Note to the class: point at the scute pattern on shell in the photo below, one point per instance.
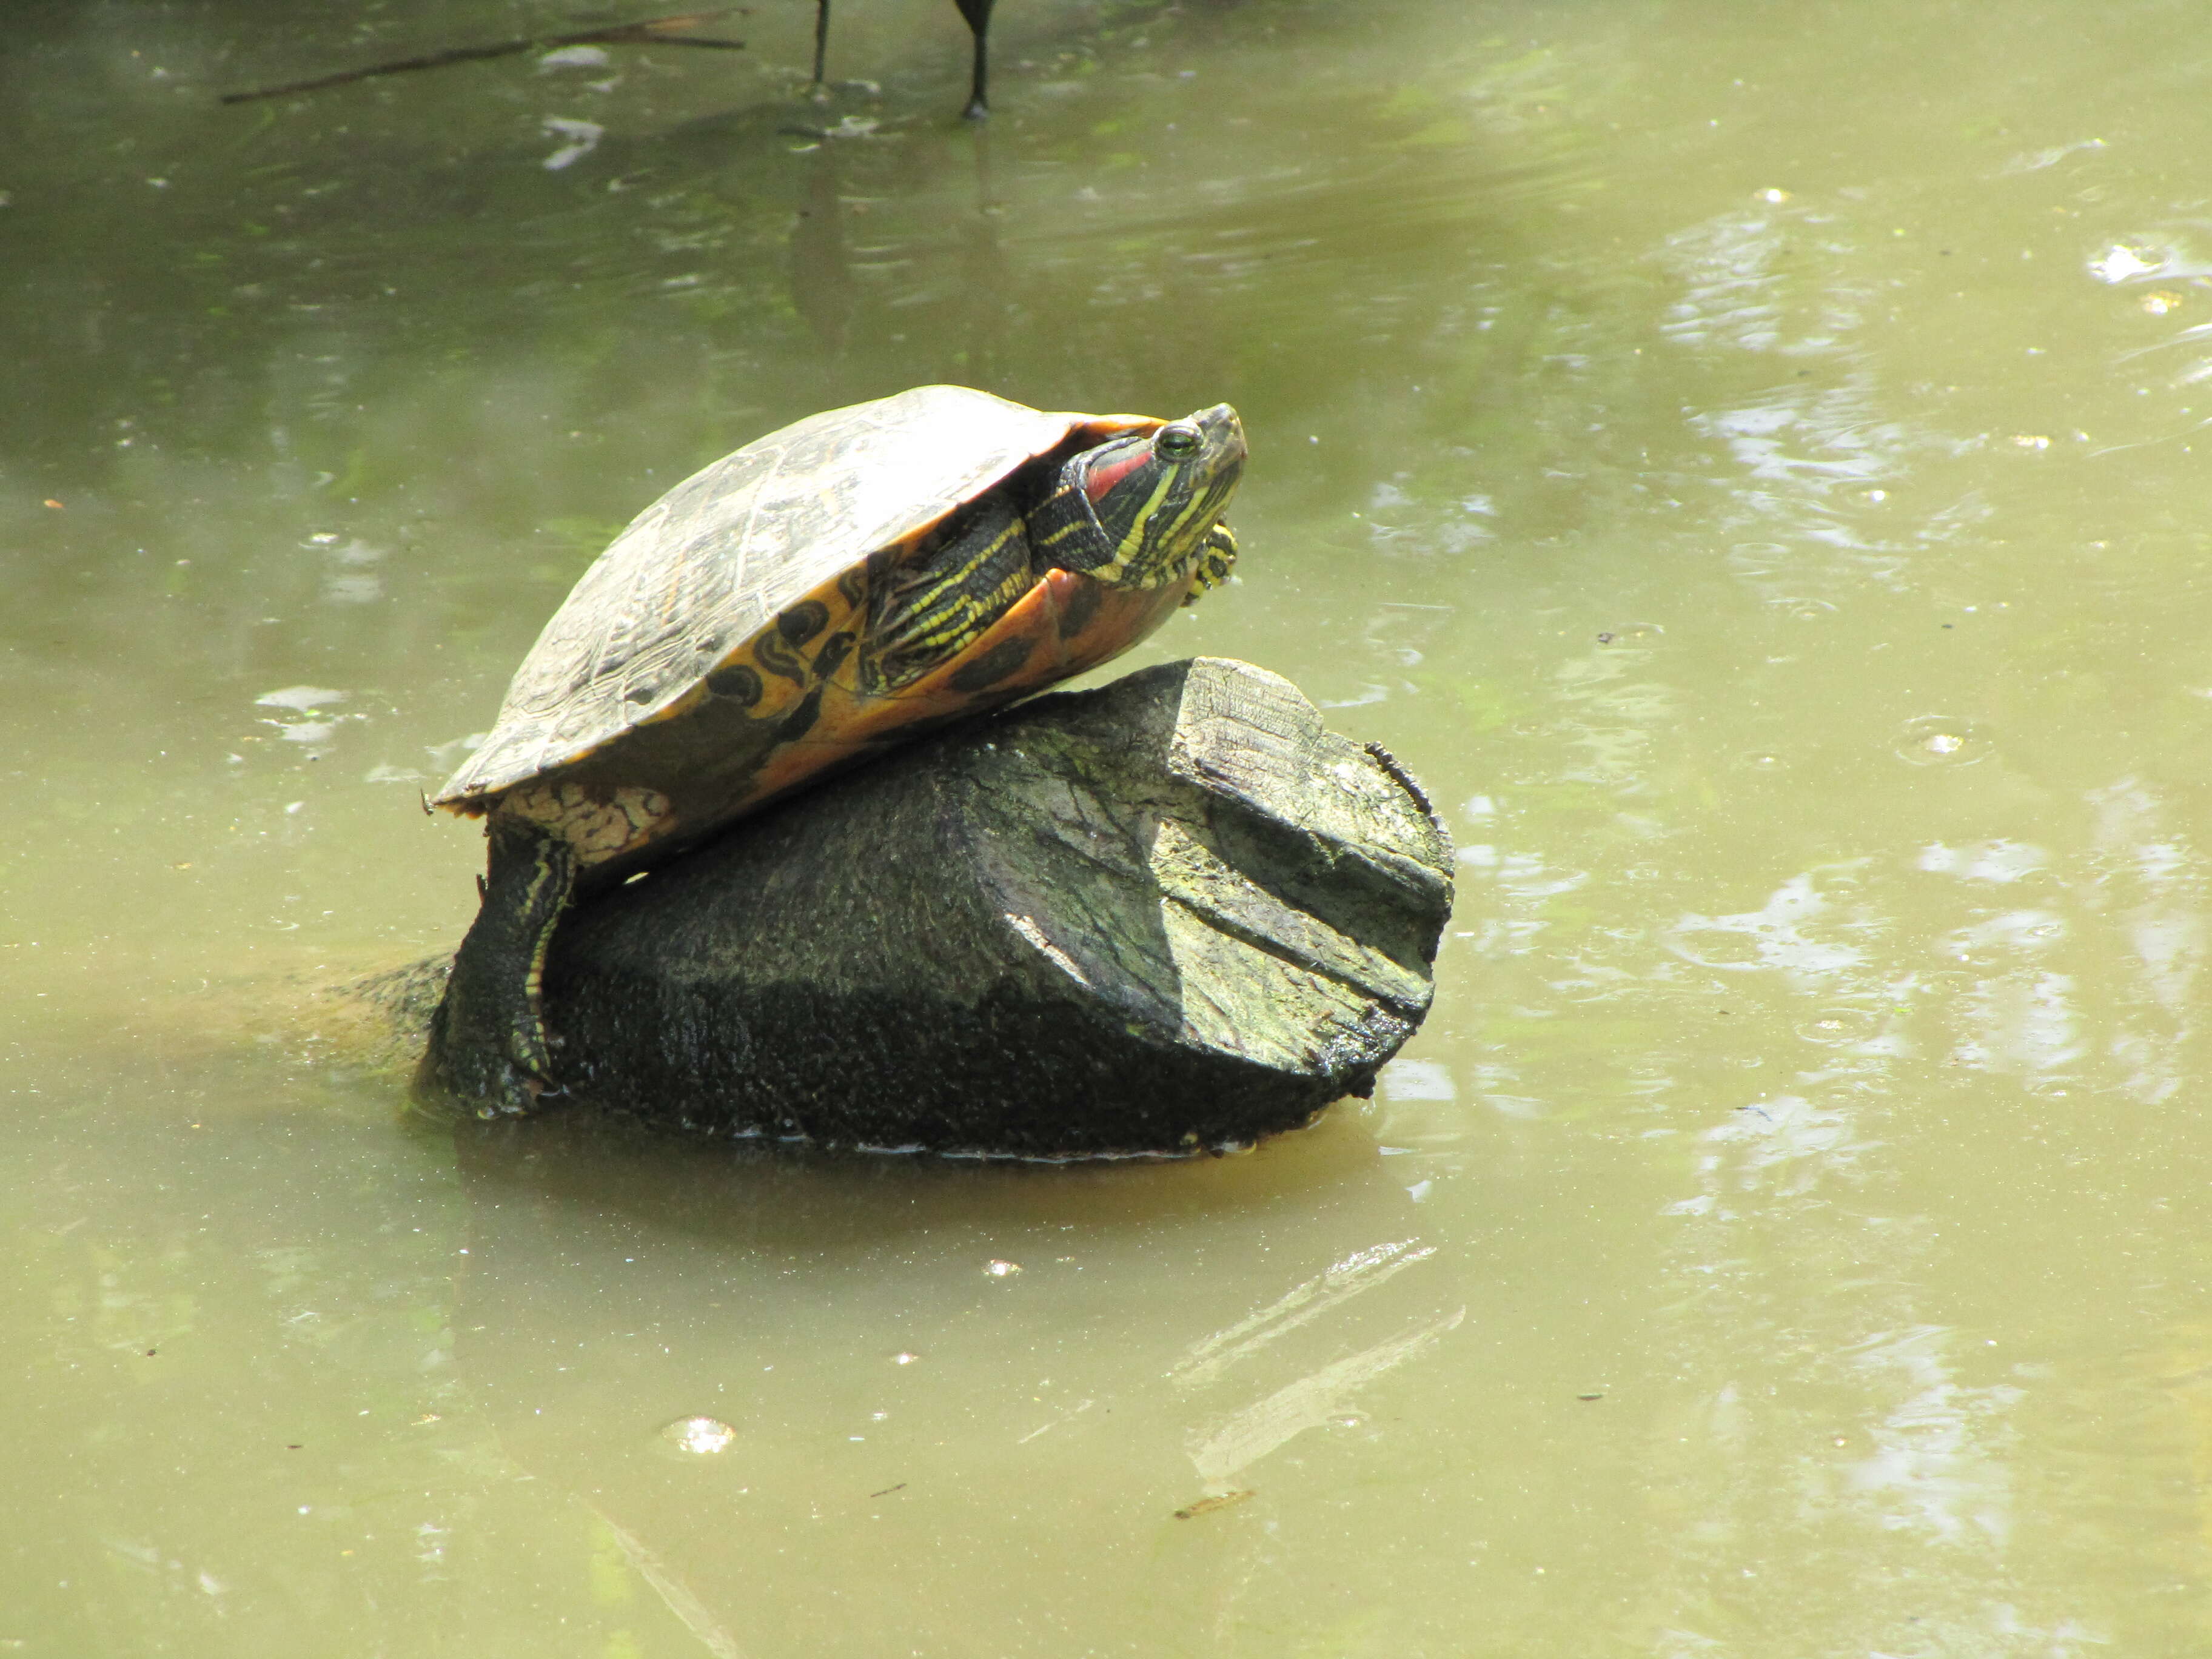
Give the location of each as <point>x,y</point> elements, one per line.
<point>709,564</point>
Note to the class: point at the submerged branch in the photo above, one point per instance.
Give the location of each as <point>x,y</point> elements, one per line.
<point>645,32</point>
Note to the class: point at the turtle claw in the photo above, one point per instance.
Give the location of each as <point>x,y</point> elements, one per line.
<point>504,1091</point>
<point>471,1068</point>
<point>526,1049</point>
<point>1217,558</point>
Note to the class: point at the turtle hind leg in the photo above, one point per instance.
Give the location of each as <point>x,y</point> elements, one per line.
<point>487,1043</point>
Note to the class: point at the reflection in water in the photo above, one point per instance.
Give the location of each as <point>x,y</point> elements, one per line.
<point>1783,934</point>
<point>1814,459</point>
<point>2002,859</point>
<point>1686,447</point>
<point>1927,1450</point>
<point>2152,880</point>
<point>1608,717</point>
<point>1936,1467</point>
<point>821,265</point>
<point>1251,1432</point>
<point>1361,1271</point>
<point>675,1595</point>
<point>610,1278</point>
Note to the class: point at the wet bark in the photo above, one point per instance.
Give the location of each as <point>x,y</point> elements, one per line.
<point>1173,913</point>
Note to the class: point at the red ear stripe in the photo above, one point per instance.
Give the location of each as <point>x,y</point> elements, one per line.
<point>1100,476</point>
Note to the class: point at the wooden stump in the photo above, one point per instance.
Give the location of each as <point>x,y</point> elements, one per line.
<point>1173,913</point>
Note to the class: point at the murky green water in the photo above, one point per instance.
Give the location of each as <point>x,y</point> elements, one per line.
<point>1743,458</point>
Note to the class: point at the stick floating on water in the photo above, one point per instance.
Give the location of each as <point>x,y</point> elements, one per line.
<point>651,31</point>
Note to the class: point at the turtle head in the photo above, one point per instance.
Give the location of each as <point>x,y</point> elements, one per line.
<point>1141,509</point>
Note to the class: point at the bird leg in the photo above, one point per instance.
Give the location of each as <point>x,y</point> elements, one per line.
<point>978,14</point>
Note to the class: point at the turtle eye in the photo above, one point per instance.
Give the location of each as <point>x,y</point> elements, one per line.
<point>1178,440</point>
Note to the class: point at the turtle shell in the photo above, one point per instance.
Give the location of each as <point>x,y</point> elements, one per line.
<point>708,659</point>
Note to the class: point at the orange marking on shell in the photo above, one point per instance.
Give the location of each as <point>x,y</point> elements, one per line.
<point>726,737</point>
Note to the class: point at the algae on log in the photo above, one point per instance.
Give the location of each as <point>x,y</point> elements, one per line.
<point>1175,912</point>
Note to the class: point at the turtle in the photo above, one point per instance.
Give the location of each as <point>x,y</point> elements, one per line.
<point>844,584</point>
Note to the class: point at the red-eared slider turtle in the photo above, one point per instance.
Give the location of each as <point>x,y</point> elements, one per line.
<point>829,589</point>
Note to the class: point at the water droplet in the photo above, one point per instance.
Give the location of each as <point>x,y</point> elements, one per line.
<point>1833,1027</point>
<point>701,1435</point>
<point>1941,741</point>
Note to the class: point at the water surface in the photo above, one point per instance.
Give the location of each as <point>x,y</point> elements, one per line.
<point>1742,460</point>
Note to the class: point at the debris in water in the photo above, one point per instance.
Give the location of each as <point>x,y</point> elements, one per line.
<point>1207,1505</point>
<point>651,31</point>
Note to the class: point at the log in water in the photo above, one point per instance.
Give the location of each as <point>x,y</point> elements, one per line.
<point>1174,913</point>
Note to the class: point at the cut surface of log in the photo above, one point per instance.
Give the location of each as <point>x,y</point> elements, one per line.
<point>1173,913</point>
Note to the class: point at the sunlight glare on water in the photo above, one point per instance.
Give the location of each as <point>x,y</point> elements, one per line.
<point>1741,460</point>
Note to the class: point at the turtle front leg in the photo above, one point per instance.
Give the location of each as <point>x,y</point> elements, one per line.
<point>1217,557</point>
<point>487,1043</point>
<point>932,610</point>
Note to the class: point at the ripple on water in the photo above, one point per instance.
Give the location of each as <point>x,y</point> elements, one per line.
<point>1834,1027</point>
<point>1942,740</point>
<point>1417,1079</point>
